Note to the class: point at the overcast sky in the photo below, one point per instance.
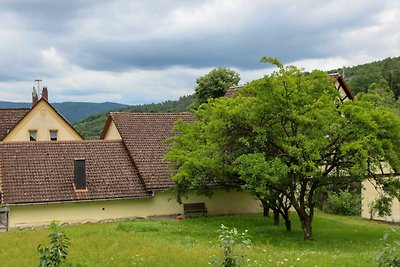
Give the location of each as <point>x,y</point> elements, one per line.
<point>136,52</point>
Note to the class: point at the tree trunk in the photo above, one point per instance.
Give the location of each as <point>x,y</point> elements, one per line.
<point>266,211</point>
<point>306,221</point>
<point>288,222</point>
<point>276,217</point>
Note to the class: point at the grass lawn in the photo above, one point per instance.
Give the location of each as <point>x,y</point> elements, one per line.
<point>339,241</point>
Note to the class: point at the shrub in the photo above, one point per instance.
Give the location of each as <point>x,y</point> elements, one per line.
<point>389,255</point>
<point>344,203</point>
<point>232,244</point>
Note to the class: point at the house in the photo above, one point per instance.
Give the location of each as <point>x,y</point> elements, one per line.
<point>39,123</point>
<point>46,177</point>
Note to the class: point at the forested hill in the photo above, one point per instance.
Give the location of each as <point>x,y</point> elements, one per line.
<point>385,72</point>
<point>92,126</point>
<point>72,111</point>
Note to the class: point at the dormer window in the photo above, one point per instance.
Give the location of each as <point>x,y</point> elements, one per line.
<point>32,135</point>
<point>80,175</point>
<point>53,135</point>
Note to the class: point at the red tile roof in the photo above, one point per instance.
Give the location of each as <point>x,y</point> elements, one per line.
<point>9,118</point>
<point>35,172</point>
<point>343,85</point>
<point>144,135</point>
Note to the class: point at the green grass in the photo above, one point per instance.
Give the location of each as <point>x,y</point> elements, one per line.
<point>339,241</point>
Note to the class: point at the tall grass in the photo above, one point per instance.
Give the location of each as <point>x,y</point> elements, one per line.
<point>339,241</point>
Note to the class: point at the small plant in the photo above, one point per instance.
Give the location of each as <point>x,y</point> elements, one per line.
<point>389,255</point>
<point>233,245</point>
<point>56,255</point>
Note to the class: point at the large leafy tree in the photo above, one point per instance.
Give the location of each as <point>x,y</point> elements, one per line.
<point>286,134</point>
<point>214,84</point>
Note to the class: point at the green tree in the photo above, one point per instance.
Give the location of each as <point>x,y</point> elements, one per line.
<point>287,132</point>
<point>214,84</point>
<point>380,94</point>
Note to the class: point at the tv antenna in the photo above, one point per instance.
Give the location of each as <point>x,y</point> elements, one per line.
<point>39,84</point>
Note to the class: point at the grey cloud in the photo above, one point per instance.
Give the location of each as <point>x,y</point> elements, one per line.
<point>287,34</point>
<point>48,15</point>
<point>122,36</point>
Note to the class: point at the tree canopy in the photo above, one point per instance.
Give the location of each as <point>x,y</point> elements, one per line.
<point>214,84</point>
<point>286,134</point>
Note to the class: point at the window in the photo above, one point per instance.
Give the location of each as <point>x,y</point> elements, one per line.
<point>32,135</point>
<point>53,135</point>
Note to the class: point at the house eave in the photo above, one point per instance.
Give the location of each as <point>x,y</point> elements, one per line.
<point>75,201</point>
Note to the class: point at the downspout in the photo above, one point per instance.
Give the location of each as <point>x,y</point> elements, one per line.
<point>5,210</point>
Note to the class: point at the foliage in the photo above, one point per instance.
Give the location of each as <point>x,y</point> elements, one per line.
<point>345,203</point>
<point>214,84</point>
<point>380,94</point>
<point>56,255</point>
<point>342,241</point>
<point>91,127</point>
<point>287,132</point>
<point>389,255</point>
<point>232,244</point>
<point>381,206</point>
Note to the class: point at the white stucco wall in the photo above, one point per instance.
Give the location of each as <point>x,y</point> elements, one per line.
<point>369,194</point>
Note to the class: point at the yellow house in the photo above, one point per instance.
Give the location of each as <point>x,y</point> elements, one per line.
<point>73,180</point>
<point>40,123</point>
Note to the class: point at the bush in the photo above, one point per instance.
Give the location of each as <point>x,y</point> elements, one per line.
<point>343,203</point>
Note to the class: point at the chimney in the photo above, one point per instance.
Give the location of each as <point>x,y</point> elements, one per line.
<point>80,174</point>
<point>45,93</point>
<point>35,97</point>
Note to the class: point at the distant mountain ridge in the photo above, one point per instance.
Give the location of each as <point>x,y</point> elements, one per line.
<point>72,111</point>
